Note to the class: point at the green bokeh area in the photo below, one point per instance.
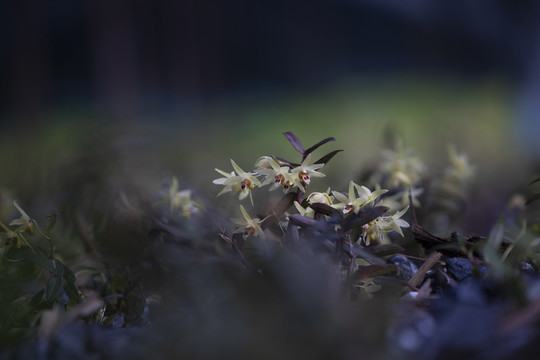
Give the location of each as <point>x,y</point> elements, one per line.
<point>425,115</point>
<point>364,117</point>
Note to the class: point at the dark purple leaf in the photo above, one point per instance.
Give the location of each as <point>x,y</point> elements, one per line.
<point>292,238</point>
<point>384,250</point>
<point>532,198</point>
<point>370,271</point>
<point>316,146</point>
<point>370,258</point>
<point>534,181</point>
<point>295,142</point>
<point>283,162</point>
<point>363,217</point>
<point>326,210</point>
<point>326,158</point>
<point>284,204</point>
<point>318,216</point>
<point>238,241</point>
<point>303,221</point>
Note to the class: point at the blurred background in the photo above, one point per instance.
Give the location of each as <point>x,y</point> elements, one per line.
<point>127,89</point>
<point>103,102</point>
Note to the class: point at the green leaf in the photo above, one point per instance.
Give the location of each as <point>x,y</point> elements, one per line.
<point>72,292</point>
<point>496,235</point>
<point>42,261</point>
<point>36,299</point>
<point>494,259</point>
<point>59,269</point>
<point>55,282</point>
<point>295,142</point>
<point>68,273</point>
<point>52,288</point>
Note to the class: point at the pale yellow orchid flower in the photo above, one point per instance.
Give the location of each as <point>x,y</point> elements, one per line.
<point>242,183</point>
<point>353,203</point>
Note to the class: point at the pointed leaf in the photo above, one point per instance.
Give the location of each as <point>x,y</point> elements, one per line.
<point>370,258</point>
<point>534,181</point>
<point>59,269</point>
<point>53,288</point>
<point>363,217</point>
<point>496,235</point>
<point>284,162</point>
<point>316,146</point>
<point>493,257</point>
<point>326,210</point>
<point>68,274</point>
<point>326,158</point>
<point>284,204</point>
<point>384,250</point>
<point>72,292</point>
<point>36,299</point>
<point>532,198</point>
<point>292,237</point>
<point>370,271</point>
<point>303,221</point>
<point>295,142</point>
<point>42,261</point>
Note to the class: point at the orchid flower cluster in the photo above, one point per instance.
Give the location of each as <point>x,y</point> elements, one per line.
<point>403,171</point>
<point>60,284</point>
<point>279,173</point>
<point>15,237</point>
<point>181,200</point>
<point>344,211</point>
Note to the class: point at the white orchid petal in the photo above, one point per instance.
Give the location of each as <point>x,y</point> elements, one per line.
<point>237,168</point>
<point>245,214</point>
<point>351,191</point>
<point>340,197</point>
<point>227,175</point>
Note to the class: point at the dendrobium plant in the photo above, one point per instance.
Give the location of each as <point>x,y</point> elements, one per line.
<point>302,174</point>
<point>181,199</point>
<point>25,223</point>
<point>375,230</point>
<point>248,226</point>
<point>353,203</point>
<point>242,183</point>
<point>460,167</point>
<point>351,220</point>
<point>16,237</point>
<point>276,175</point>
